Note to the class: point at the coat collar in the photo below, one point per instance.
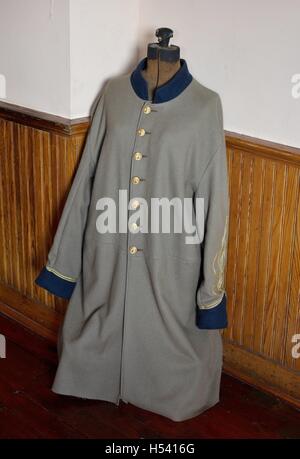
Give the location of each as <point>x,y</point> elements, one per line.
<point>165,92</point>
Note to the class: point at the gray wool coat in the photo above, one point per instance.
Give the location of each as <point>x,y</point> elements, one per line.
<point>145,308</point>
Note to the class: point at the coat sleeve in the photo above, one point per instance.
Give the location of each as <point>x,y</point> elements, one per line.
<point>64,261</point>
<point>213,187</point>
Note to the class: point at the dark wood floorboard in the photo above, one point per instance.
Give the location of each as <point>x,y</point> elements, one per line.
<point>29,409</point>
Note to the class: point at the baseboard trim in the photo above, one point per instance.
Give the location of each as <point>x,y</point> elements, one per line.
<point>258,371</point>
<point>33,315</point>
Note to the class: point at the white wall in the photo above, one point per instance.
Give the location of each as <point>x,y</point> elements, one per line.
<point>103,43</point>
<point>56,54</point>
<point>34,54</point>
<point>247,51</point>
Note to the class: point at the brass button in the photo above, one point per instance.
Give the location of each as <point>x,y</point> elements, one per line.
<point>141,132</point>
<point>135,204</point>
<point>135,180</point>
<point>137,156</point>
<point>133,249</point>
<point>134,226</point>
<point>147,109</point>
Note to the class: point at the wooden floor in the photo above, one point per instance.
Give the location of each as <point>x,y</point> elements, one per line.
<point>28,408</point>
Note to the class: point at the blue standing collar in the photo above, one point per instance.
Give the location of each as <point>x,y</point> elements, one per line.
<point>165,92</point>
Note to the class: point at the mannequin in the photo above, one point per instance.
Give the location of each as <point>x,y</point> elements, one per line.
<point>163,61</point>
<point>142,325</point>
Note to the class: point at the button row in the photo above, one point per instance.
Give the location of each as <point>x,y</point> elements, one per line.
<point>136,180</point>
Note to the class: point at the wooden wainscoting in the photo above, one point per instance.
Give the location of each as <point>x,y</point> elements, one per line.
<point>39,154</point>
<point>263,269</point>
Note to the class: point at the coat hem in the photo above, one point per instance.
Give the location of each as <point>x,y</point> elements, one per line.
<point>175,418</point>
<point>137,405</point>
<point>86,396</point>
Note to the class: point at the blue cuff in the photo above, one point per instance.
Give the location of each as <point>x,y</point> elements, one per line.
<point>54,284</point>
<point>213,318</point>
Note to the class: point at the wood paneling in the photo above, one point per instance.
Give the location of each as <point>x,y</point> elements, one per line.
<point>38,159</point>
<point>37,167</point>
<point>263,275</point>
